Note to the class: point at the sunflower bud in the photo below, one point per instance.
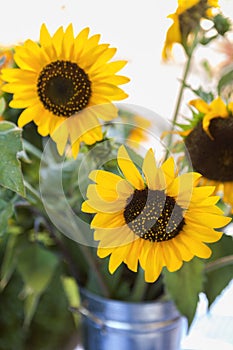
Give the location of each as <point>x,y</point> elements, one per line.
<point>221,24</point>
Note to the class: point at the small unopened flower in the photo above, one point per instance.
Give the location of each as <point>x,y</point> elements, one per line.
<point>154,218</point>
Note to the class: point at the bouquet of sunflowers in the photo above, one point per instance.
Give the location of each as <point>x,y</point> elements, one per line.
<point>81,206</point>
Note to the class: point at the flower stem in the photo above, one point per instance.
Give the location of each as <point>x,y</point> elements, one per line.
<point>139,288</point>
<point>178,103</point>
<point>217,264</point>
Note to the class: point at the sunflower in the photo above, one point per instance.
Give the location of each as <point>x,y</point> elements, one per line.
<point>139,133</point>
<point>209,145</point>
<point>6,60</point>
<point>155,218</point>
<point>65,84</point>
<point>186,20</point>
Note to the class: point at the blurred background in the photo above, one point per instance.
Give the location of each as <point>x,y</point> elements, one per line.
<point>138,30</point>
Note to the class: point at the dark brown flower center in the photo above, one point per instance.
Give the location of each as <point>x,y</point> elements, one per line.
<point>190,19</point>
<point>153,216</point>
<point>212,158</point>
<point>63,88</point>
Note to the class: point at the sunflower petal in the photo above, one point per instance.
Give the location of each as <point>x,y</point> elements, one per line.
<point>129,170</point>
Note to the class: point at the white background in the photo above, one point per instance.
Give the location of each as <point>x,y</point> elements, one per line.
<point>137,28</point>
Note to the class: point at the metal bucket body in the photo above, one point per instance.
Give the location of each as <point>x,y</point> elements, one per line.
<point>118,325</point>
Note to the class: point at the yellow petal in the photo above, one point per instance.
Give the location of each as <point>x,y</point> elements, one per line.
<point>132,258</point>
<point>173,36</point>
<point>172,257</point>
<point>28,114</point>
<point>103,252</point>
<point>86,208</point>
<point>45,37</point>
<point>200,105</point>
<point>57,41</point>
<point>75,148</point>
<point>183,249</point>
<point>197,248</point>
<point>168,168</point>
<point>184,5</point>
<point>228,192</point>
<point>101,220</point>
<point>150,170</point>
<point>118,256</point>
<point>68,43</point>
<point>154,263</point>
<point>129,170</point>
<point>207,219</point>
<point>204,234</point>
<point>106,178</point>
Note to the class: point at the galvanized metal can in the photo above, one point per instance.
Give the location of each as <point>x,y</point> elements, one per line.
<point>118,325</point>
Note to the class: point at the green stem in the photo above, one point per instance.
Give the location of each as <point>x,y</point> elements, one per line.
<point>93,266</point>
<point>139,288</point>
<point>217,264</point>
<point>178,103</point>
<point>35,199</point>
<point>32,149</point>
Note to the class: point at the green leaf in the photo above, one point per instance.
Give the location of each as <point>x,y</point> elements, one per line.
<point>184,287</point>
<point>217,279</point>
<point>36,266</point>
<point>9,261</point>
<point>6,211</point>
<point>10,167</point>
<point>226,79</point>
<point>2,105</point>
<point>204,95</point>
<point>72,293</point>
<point>30,305</point>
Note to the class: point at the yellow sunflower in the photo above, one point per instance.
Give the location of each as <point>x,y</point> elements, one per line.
<point>65,84</point>
<point>155,218</point>
<point>139,132</point>
<point>186,20</point>
<point>209,145</point>
<point>6,60</point>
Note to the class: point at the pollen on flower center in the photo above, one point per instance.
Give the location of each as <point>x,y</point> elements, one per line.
<point>63,88</point>
<point>153,216</point>
<point>213,158</point>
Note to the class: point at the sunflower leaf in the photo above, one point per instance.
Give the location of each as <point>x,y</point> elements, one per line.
<point>10,168</point>
<point>225,80</point>
<point>184,287</point>
<point>219,277</point>
<point>6,208</point>
<point>9,261</point>
<point>204,95</point>
<point>36,275</point>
